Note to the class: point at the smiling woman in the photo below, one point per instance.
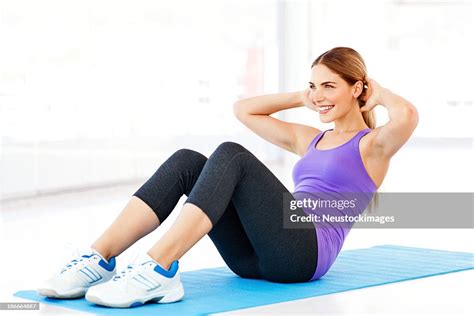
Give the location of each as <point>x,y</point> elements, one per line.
<point>353,157</point>
<point>323,109</point>
<point>340,69</point>
<point>358,163</point>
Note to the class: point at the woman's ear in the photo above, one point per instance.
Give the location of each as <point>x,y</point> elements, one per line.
<point>358,88</point>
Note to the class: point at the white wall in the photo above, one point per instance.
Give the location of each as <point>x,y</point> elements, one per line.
<point>100,92</point>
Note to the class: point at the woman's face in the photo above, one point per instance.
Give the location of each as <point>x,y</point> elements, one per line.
<point>328,89</point>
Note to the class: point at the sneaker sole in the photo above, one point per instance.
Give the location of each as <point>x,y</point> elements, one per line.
<point>170,297</point>
<point>70,295</point>
<point>77,293</point>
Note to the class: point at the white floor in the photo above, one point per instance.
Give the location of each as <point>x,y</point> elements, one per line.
<point>34,232</point>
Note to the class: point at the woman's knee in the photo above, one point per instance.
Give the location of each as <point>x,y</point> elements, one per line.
<point>185,154</point>
<point>229,149</point>
<point>185,160</point>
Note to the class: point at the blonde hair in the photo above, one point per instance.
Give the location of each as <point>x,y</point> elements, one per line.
<point>350,66</point>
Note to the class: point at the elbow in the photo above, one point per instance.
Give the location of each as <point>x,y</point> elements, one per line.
<point>237,108</point>
<point>411,115</point>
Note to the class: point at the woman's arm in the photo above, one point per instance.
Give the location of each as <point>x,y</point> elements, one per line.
<point>268,104</point>
<point>255,113</point>
<point>389,138</point>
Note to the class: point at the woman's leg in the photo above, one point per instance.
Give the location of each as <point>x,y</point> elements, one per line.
<point>158,196</point>
<point>151,204</point>
<point>228,235</point>
<point>136,220</point>
<point>234,179</point>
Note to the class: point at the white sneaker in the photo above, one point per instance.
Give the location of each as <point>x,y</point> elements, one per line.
<point>139,283</point>
<point>78,276</point>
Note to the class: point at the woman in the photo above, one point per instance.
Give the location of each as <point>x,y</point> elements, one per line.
<point>237,201</point>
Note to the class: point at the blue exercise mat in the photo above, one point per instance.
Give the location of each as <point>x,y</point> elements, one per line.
<point>219,290</point>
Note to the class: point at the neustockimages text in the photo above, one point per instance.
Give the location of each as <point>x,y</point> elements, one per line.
<point>342,219</point>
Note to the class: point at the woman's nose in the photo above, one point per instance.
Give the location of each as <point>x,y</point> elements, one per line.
<point>316,96</point>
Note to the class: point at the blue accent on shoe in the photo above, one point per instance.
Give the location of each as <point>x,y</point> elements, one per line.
<point>136,304</point>
<point>168,273</point>
<point>95,281</point>
<point>89,272</point>
<point>142,282</point>
<point>110,266</point>
<point>92,280</point>
<point>72,261</point>
<point>92,272</point>
<point>145,281</point>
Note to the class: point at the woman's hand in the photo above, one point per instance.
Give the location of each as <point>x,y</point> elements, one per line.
<point>373,95</point>
<point>304,95</point>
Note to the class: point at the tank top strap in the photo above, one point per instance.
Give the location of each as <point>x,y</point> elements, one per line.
<point>359,135</point>
<point>315,139</point>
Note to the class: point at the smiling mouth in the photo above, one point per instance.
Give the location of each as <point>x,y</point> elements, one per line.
<point>325,109</point>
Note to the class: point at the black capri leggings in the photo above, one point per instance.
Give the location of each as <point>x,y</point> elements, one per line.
<point>243,200</point>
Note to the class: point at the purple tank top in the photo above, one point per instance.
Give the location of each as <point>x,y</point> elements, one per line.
<point>339,173</point>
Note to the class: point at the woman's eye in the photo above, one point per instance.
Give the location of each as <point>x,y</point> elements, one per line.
<point>327,86</point>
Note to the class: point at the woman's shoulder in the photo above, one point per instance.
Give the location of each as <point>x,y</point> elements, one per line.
<point>375,164</point>
<point>366,142</point>
<point>305,135</point>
